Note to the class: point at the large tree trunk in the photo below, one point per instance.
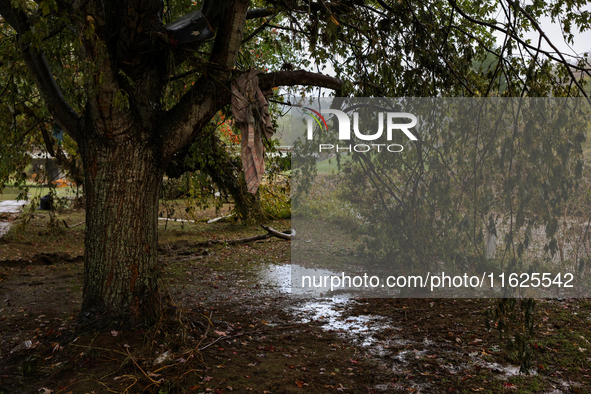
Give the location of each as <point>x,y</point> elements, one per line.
<point>125,136</point>
<point>123,178</point>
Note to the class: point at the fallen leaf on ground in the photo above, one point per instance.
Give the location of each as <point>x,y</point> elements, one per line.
<point>300,383</point>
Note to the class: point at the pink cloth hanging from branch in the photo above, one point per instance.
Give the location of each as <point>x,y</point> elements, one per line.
<point>251,114</point>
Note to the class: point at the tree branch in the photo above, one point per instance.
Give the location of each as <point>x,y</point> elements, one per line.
<point>183,123</point>
<point>10,16</point>
<point>57,105</point>
<point>64,25</point>
<point>211,92</point>
<point>560,59</point>
<point>287,235</point>
<point>259,29</point>
<point>260,13</point>
<point>229,36</point>
<point>549,42</point>
<point>37,64</point>
<point>439,51</point>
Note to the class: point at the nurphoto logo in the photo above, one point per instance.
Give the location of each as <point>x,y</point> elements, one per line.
<point>393,123</point>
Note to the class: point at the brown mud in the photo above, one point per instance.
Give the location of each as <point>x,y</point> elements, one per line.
<point>248,335</point>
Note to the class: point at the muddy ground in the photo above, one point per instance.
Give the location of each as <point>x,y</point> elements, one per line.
<point>245,333</point>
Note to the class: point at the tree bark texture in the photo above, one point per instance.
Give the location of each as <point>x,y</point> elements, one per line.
<point>123,179</point>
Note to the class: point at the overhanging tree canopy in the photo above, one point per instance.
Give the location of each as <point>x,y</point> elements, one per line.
<point>132,84</point>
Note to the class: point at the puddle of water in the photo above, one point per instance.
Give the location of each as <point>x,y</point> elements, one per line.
<point>320,283</point>
<point>507,370</point>
<point>278,276</point>
<point>329,312</point>
<point>362,329</point>
<point>9,206</point>
<point>399,388</point>
<point>405,355</point>
<point>399,343</point>
<point>281,277</point>
<point>298,272</point>
<point>288,279</point>
<point>12,206</point>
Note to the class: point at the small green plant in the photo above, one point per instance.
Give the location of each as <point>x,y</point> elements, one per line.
<point>514,320</point>
<point>276,200</point>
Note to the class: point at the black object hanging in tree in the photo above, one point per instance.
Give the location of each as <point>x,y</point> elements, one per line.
<point>192,27</point>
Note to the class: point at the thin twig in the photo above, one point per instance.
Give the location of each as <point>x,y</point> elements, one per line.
<point>140,368</point>
<point>250,333</point>
<point>206,330</point>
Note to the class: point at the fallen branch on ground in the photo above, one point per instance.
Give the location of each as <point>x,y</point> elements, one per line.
<point>287,235</point>
<point>177,220</point>
<point>74,225</point>
<point>220,218</point>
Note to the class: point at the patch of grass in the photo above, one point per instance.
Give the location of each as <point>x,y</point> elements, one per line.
<point>330,166</point>
<point>524,384</point>
<point>36,237</point>
<point>276,199</point>
<point>11,193</point>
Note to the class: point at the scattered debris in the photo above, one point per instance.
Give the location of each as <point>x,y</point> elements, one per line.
<point>22,346</point>
<point>162,358</point>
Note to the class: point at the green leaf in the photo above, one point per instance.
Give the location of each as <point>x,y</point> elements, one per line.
<point>45,8</point>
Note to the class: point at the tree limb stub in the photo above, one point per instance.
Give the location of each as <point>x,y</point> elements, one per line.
<point>260,13</point>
